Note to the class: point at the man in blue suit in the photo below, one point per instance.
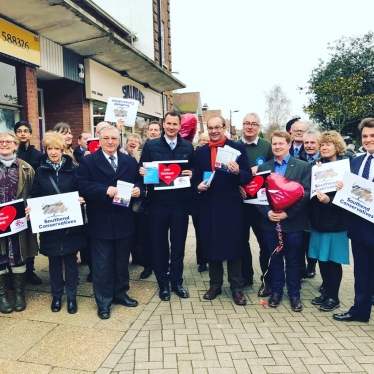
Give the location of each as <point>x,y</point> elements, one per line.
<point>111,227</point>
<point>361,233</point>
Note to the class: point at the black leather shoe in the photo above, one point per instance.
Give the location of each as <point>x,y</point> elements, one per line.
<point>181,292</point>
<point>146,273</point>
<point>296,305</point>
<point>212,293</point>
<point>164,294</point>
<point>56,304</point>
<point>347,317</point>
<point>72,306</point>
<point>239,298</point>
<point>264,291</point>
<point>329,305</point>
<point>319,300</point>
<point>311,271</point>
<point>125,301</point>
<point>103,312</point>
<point>274,300</point>
<point>32,278</point>
<point>201,268</point>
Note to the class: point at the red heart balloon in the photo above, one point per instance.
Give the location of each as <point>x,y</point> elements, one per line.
<point>168,173</point>
<point>7,215</point>
<point>281,192</point>
<point>254,186</point>
<point>93,146</point>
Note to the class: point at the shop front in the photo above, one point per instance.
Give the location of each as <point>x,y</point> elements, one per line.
<point>102,82</point>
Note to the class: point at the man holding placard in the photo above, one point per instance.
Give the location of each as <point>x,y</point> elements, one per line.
<point>110,226</point>
<point>361,233</point>
<point>169,205</point>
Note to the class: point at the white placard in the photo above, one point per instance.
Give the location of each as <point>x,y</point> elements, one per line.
<point>55,212</point>
<point>12,217</point>
<point>123,196</point>
<point>124,109</point>
<point>325,177</point>
<point>356,196</point>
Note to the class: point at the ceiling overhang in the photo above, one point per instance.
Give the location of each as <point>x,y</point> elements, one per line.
<point>83,27</point>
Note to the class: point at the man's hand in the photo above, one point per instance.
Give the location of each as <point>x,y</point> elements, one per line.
<point>27,211</point>
<point>119,124</point>
<point>86,153</point>
<point>187,172</point>
<point>123,150</point>
<point>276,217</point>
<point>112,191</point>
<point>254,170</point>
<point>233,167</point>
<point>135,192</point>
<point>142,171</point>
<point>322,197</point>
<point>339,185</point>
<point>242,192</point>
<point>202,186</point>
<point>81,200</point>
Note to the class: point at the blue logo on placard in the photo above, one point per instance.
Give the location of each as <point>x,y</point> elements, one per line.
<point>260,160</point>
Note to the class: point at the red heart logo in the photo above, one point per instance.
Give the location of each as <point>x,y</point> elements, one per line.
<point>93,146</point>
<point>254,186</point>
<point>281,192</point>
<point>7,215</point>
<point>168,173</point>
<point>116,198</point>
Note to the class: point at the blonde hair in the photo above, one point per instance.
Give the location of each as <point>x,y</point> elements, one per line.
<point>9,133</point>
<point>53,139</point>
<point>335,138</point>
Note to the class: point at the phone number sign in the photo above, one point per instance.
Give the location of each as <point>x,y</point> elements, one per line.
<point>19,43</point>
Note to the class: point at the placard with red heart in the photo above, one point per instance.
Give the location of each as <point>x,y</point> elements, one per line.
<point>93,145</point>
<point>281,192</point>
<point>254,186</point>
<point>7,215</point>
<point>168,173</point>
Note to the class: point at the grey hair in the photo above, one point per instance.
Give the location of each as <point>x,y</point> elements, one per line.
<point>254,115</point>
<point>106,128</point>
<point>133,135</point>
<point>315,133</point>
<point>299,123</point>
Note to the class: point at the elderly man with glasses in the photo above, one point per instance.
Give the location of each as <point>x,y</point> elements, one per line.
<point>298,129</point>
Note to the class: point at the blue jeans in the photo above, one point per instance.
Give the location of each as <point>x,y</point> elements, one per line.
<point>290,253</point>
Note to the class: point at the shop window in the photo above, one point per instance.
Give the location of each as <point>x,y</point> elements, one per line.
<point>8,118</point>
<point>8,86</point>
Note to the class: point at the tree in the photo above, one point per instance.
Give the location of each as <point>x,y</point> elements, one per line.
<point>342,88</point>
<point>278,108</point>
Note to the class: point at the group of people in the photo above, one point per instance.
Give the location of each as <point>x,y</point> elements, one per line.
<point>153,229</point>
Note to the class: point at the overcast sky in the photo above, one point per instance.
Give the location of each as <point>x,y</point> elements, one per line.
<point>232,52</point>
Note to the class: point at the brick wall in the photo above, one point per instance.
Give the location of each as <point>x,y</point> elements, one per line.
<point>65,101</point>
<point>28,98</point>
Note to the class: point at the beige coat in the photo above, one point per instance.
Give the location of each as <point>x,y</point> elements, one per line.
<point>27,240</point>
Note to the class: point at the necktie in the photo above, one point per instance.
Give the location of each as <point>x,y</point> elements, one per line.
<point>366,171</point>
<point>172,145</point>
<point>112,158</point>
<point>296,152</point>
<point>310,159</point>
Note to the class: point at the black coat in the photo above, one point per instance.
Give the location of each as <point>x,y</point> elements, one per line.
<point>159,150</point>
<point>31,155</point>
<point>93,177</point>
<point>62,241</point>
<point>220,207</point>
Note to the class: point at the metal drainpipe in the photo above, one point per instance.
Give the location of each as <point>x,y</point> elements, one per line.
<point>159,20</point>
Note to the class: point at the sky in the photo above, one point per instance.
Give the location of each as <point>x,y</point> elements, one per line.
<point>233,52</point>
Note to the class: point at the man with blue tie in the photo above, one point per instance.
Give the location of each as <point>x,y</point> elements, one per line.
<point>298,129</point>
<point>168,209</point>
<point>111,227</point>
<point>361,233</point>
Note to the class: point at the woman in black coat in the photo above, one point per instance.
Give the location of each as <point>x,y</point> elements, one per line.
<point>61,246</point>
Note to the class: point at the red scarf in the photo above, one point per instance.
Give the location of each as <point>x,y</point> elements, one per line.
<point>213,150</point>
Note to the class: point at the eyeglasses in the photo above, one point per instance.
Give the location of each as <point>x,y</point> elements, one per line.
<point>298,131</point>
<point>6,141</point>
<point>26,131</point>
<point>107,138</point>
<point>250,124</point>
<point>216,128</point>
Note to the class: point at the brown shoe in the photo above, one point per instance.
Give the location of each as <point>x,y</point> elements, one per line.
<point>212,293</point>
<point>264,290</point>
<point>239,298</point>
<point>274,300</point>
<point>296,305</point>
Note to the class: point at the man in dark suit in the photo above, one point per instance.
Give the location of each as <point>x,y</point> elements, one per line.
<point>111,227</point>
<point>168,209</point>
<point>220,210</point>
<point>298,130</point>
<point>361,233</point>
<point>293,220</point>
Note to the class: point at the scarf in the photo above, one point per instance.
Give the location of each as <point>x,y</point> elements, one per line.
<point>58,166</point>
<point>213,150</point>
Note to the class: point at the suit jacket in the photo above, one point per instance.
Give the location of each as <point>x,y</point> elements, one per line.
<point>360,230</point>
<point>302,151</point>
<point>297,220</point>
<point>93,177</point>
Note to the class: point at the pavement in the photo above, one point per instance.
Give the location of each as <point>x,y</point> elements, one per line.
<point>184,335</point>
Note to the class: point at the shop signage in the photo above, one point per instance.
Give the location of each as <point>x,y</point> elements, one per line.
<point>19,43</point>
<point>102,83</point>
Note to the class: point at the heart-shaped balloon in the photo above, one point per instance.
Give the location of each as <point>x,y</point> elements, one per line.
<point>168,173</point>
<point>254,186</point>
<point>93,146</point>
<point>281,192</point>
<point>7,215</point>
